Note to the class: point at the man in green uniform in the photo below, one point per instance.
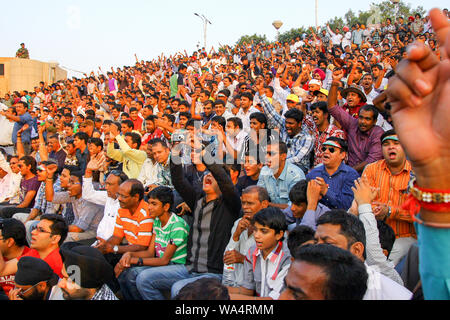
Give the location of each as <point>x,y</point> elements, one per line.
<point>22,52</point>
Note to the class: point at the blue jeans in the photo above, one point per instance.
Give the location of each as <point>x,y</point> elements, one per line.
<point>152,280</point>
<point>127,281</point>
<point>173,277</point>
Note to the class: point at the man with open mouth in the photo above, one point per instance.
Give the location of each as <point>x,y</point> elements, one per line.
<point>392,175</point>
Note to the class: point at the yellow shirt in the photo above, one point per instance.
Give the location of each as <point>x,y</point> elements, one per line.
<point>132,159</point>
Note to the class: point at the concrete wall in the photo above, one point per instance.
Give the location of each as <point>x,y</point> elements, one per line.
<point>25,74</point>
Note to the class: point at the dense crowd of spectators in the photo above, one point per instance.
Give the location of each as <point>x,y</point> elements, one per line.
<point>250,172</point>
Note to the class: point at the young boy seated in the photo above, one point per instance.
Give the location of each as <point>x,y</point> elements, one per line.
<point>266,263</point>
<point>167,251</point>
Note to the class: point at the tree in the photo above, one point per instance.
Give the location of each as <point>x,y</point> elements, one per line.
<point>292,34</point>
<point>336,22</point>
<point>256,38</point>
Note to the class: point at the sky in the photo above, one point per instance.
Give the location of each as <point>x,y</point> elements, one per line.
<point>83,35</point>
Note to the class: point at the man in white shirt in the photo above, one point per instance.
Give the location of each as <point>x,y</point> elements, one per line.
<point>149,170</point>
<point>235,136</point>
<point>336,38</point>
<point>245,110</point>
<point>10,178</point>
<point>106,198</point>
<point>339,228</point>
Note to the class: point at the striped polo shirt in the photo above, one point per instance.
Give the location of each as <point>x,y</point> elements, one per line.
<point>175,232</point>
<point>137,227</point>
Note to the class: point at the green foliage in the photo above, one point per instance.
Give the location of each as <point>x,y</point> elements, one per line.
<point>377,13</point>
<point>292,34</point>
<point>256,38</point>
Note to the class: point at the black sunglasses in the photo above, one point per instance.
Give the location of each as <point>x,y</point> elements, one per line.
<point>331,149</point>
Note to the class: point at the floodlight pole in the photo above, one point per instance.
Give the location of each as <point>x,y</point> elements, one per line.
<point>205,23</point>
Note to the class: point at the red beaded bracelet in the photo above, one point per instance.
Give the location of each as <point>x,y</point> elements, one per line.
<point>428,199</point>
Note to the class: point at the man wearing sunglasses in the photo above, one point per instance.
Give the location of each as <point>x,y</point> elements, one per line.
<point>34,280</point>
<point>334,177</point>
<point>47,236</point>
<point>87,214</point>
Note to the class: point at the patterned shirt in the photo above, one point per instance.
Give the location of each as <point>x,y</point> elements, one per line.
<point>164,177</point>
<point>300,147</point>
<point>175,232</point>
<point>41,202</point>
<point>321,137</point>
<point>104,293</point>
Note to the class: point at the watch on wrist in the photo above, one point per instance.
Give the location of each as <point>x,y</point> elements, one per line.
<point>140,262</point>
<point>116,249</point>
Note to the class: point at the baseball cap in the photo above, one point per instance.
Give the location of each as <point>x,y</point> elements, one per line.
<point>293,97</point>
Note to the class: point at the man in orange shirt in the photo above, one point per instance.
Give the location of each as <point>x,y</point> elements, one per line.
<point>133,228</point>
<point>391,176</point>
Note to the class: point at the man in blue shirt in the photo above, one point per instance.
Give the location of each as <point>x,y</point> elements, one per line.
<point>279,175</point>
<point>21,119</point>
<point>334,176</point>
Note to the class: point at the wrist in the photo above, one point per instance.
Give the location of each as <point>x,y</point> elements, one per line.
<point>312,204</point>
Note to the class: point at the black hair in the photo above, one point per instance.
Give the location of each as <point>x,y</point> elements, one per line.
<point>185,114</point>
<point>387,134</point>
<point>295,114</point>
<point>170,117</point>
<point>297,194</point>
<point>340,141</point>
<point>272,218</point>
<point>386,235</point>
<point>298,236</point>
<point>107,122</point>
<point>219,101</point>
<point>220,120</point>
<point>163,194</point>
<point>351,227</point>
<point>135,138</point>
<point>203,289</point>
<point>82,136</point>
<point>59,226</point>
<point>321,105</point>
<point>234,167</point>
<point>136,188</point>
<point>128,122</point>
<point>24,104</point>
<point>13,228</point>
<point>236,121</point>
<point>260,117</point>
<point>372,108</point>
<point>346,274</point>
<point>246,94</point>
<point>97,142</point>
<point>30,161</point>
<point>151,117</point>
